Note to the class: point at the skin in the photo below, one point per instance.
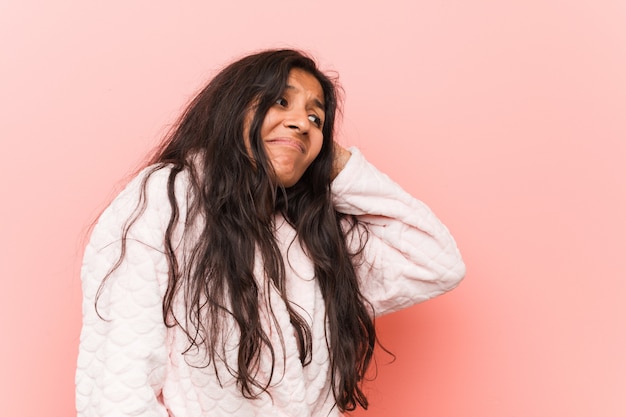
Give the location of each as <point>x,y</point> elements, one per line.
<point>292,129</point>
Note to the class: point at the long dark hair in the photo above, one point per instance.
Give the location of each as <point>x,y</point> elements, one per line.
<point>232,204</point>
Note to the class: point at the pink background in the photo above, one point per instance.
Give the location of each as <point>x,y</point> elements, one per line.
<point>507,117</point>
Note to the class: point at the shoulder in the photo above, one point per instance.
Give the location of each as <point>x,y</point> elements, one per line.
<point>145,201</point>
<point>152,184</point>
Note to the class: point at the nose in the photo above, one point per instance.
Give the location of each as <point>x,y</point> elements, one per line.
<point>297,119</point>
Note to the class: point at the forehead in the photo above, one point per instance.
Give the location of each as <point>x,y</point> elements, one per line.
<point>305,83</point>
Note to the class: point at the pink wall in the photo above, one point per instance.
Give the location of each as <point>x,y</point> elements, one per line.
<point>508,118</point>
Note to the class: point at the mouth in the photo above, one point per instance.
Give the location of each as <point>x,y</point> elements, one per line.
<point>288,142</point>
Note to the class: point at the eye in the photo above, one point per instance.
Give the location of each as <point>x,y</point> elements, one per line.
<point>315,120</point>
<point>282,102</point>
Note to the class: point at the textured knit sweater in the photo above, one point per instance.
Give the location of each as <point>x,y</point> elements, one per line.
<point>131,364</point>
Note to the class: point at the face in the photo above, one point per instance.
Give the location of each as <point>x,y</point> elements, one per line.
<point>292,129</point>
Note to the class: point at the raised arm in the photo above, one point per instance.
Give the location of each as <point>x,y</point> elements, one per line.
<point>410,255</point>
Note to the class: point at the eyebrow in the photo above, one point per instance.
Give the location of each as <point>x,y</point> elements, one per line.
<point>316,101</point>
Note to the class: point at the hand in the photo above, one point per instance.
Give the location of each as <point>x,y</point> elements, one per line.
<point>341,156</point>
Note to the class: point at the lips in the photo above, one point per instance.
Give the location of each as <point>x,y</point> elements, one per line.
<point>289,142</point>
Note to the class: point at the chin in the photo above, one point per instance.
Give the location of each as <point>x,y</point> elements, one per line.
<point>288,180</point>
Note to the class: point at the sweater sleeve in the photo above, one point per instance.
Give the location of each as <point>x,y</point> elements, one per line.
<point>410,256</point>
<point>122,359</point>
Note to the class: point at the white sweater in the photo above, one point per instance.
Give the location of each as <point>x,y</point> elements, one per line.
<point>131,364</point>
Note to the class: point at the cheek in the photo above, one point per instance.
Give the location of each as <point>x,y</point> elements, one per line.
<point>269,122</point>
<point>317,143</point>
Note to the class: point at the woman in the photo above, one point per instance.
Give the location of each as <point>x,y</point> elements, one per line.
<point>240,272</point>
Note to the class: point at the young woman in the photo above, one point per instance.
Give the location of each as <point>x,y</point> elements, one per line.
<point>240,272</point>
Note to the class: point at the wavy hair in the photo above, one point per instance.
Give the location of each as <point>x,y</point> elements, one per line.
<point>231,206</point>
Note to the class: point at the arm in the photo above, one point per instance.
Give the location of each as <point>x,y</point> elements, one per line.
<point>410,255</point>
<point>123,356</point>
